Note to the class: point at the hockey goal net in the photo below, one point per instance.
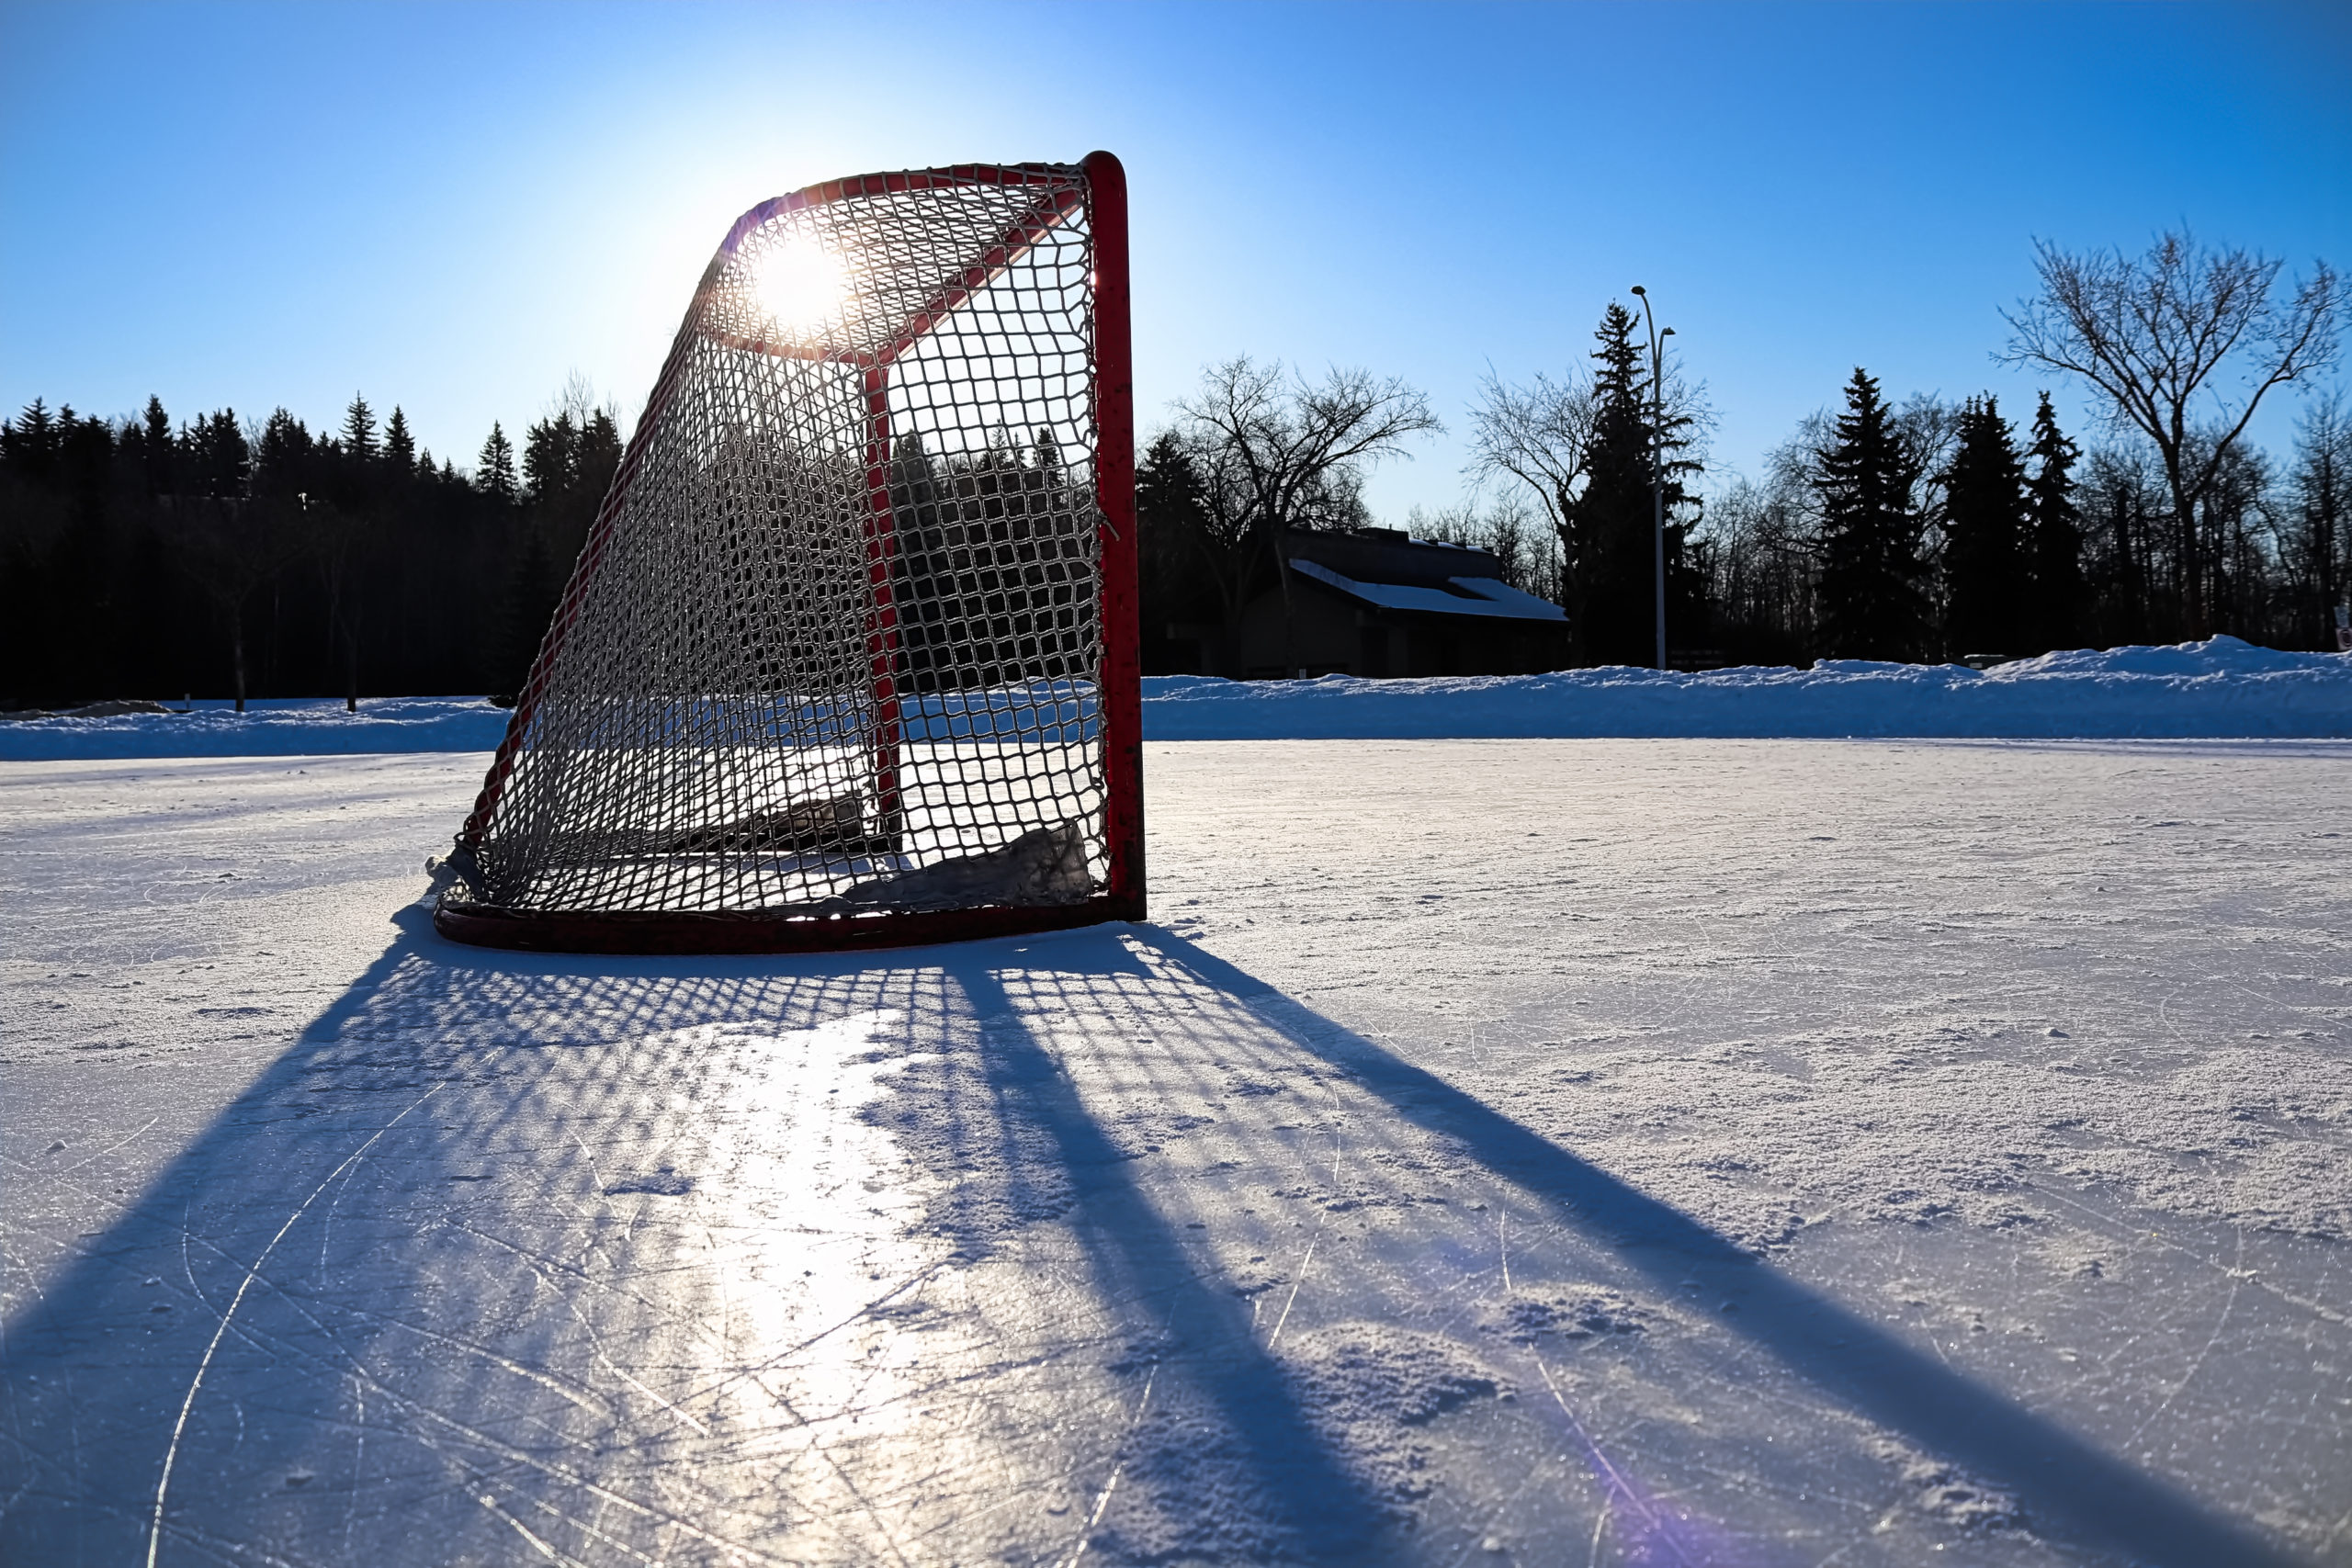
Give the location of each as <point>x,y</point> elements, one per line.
<point>849,656</point>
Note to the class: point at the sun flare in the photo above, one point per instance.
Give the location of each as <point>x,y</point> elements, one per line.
<point>799,286</point>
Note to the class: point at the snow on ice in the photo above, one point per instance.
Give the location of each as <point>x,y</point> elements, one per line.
<point>1649,1152</point>
<point>2222,687</point>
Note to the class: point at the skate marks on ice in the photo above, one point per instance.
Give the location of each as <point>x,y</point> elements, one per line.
<point>1085,1248</point>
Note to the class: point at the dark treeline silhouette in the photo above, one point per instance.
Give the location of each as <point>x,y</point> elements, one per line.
<point>228,558</point>
<point>1927,532</point>
<point>995,563</point>
<point>225,559</point>
<point>1910,531</point>
<point>221,559</point>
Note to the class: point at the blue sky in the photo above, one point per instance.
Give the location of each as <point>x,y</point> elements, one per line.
<point>453,207</point>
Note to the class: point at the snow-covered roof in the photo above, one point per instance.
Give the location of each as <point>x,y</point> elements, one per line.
<point>1484,595</point>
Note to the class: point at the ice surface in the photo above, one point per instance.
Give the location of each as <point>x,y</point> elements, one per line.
<point>1745,1152</point>
<point>2219,688</point>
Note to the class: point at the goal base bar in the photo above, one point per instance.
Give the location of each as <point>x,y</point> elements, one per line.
<point>668,933</point>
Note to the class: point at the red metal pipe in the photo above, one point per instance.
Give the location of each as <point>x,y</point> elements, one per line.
<point>1119,687</point>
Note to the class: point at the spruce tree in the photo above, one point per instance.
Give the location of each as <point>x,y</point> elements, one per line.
<point>598,456</point>
<point>531,594</point>
<point>215,447</point>
<point>282,462</point>
<point>359,429</point>
<point>495,475</point>
<point>550,457</point>
<point>1180,561</point>
<point>1984,536</point>
<point>156,441</point>
<point>1871,605</point>
<point>1046,454</point>
<point>399,446</point>
<point>29,442</point>
<point>2055,605</point>
<point>1609,523</point>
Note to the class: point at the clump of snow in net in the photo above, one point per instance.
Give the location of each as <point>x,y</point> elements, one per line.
<point>834,644</point>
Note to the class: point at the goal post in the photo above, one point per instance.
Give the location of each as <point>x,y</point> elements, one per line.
<point>849,657</point>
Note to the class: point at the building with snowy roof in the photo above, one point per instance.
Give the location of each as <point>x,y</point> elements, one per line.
<point>1377,602</point>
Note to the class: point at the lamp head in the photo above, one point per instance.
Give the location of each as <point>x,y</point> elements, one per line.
<point>1665,331</point>
<point>1639,289</point>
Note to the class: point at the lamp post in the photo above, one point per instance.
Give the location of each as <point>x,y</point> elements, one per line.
<point>1658,459</point>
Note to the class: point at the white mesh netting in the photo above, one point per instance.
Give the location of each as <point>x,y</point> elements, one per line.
<point>834,646</point>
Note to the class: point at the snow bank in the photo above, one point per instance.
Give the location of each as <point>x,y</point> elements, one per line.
<point>300,726</point>
<point>2221,688</point>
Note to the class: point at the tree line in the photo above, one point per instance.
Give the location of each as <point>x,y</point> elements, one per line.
<point>1929,530</point>
<point>1910,530</point>
<point>226,558</point>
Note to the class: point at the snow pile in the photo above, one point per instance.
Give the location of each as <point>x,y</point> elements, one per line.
<point>2217,689</point>
<point>292,727</point>
<point>2220,687</point>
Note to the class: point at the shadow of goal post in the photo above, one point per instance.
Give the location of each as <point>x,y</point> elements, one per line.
<point>849,656</point>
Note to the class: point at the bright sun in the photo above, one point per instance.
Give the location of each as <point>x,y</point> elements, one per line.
<point>799,286</point>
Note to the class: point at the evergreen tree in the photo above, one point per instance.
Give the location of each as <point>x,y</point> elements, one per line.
<point>2056,606</point>
<point>359,430</point>
<point>550,457</point>
<point>281,462</point>
<point>1180,557</point>
<point>155,442</point>
<point>1609,543</point>
<point>220,462</point>
<point>400,447</point>
<point>82,610</point>
<point>1168,490</point>
<point>494,477</point>
<point>1984,536</point>
<point>30,442</point>
<point>599,455</point>
<point>1047,452</point>
<point>1610,521</point>
<point>531,594</point>
<point>1871,605</point>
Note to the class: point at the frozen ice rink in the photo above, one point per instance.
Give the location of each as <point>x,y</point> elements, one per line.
<point>1515,1151</point>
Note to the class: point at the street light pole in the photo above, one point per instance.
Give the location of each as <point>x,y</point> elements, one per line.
<point>1657,460</point>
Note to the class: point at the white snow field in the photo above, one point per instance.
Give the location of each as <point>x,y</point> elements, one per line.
<point>1647,1151</point>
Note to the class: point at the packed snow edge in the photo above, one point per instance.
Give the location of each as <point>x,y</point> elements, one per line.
<point>2219,688</point>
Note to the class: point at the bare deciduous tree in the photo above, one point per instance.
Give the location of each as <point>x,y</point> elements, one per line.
<point>1540,435</point>
<point>2154,335</point>
<point>1506,529</point>
<point>1277,451</point>
<point>2321,498</point>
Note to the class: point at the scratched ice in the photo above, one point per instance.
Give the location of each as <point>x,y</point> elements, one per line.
<point>1514,1151</point>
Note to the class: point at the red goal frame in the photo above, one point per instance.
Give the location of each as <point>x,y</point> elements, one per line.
<point>1119,691</point>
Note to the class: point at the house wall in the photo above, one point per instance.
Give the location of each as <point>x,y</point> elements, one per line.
<point>1323,636</point>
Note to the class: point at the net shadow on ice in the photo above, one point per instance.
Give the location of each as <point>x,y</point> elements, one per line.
<point>1082,1246</point>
